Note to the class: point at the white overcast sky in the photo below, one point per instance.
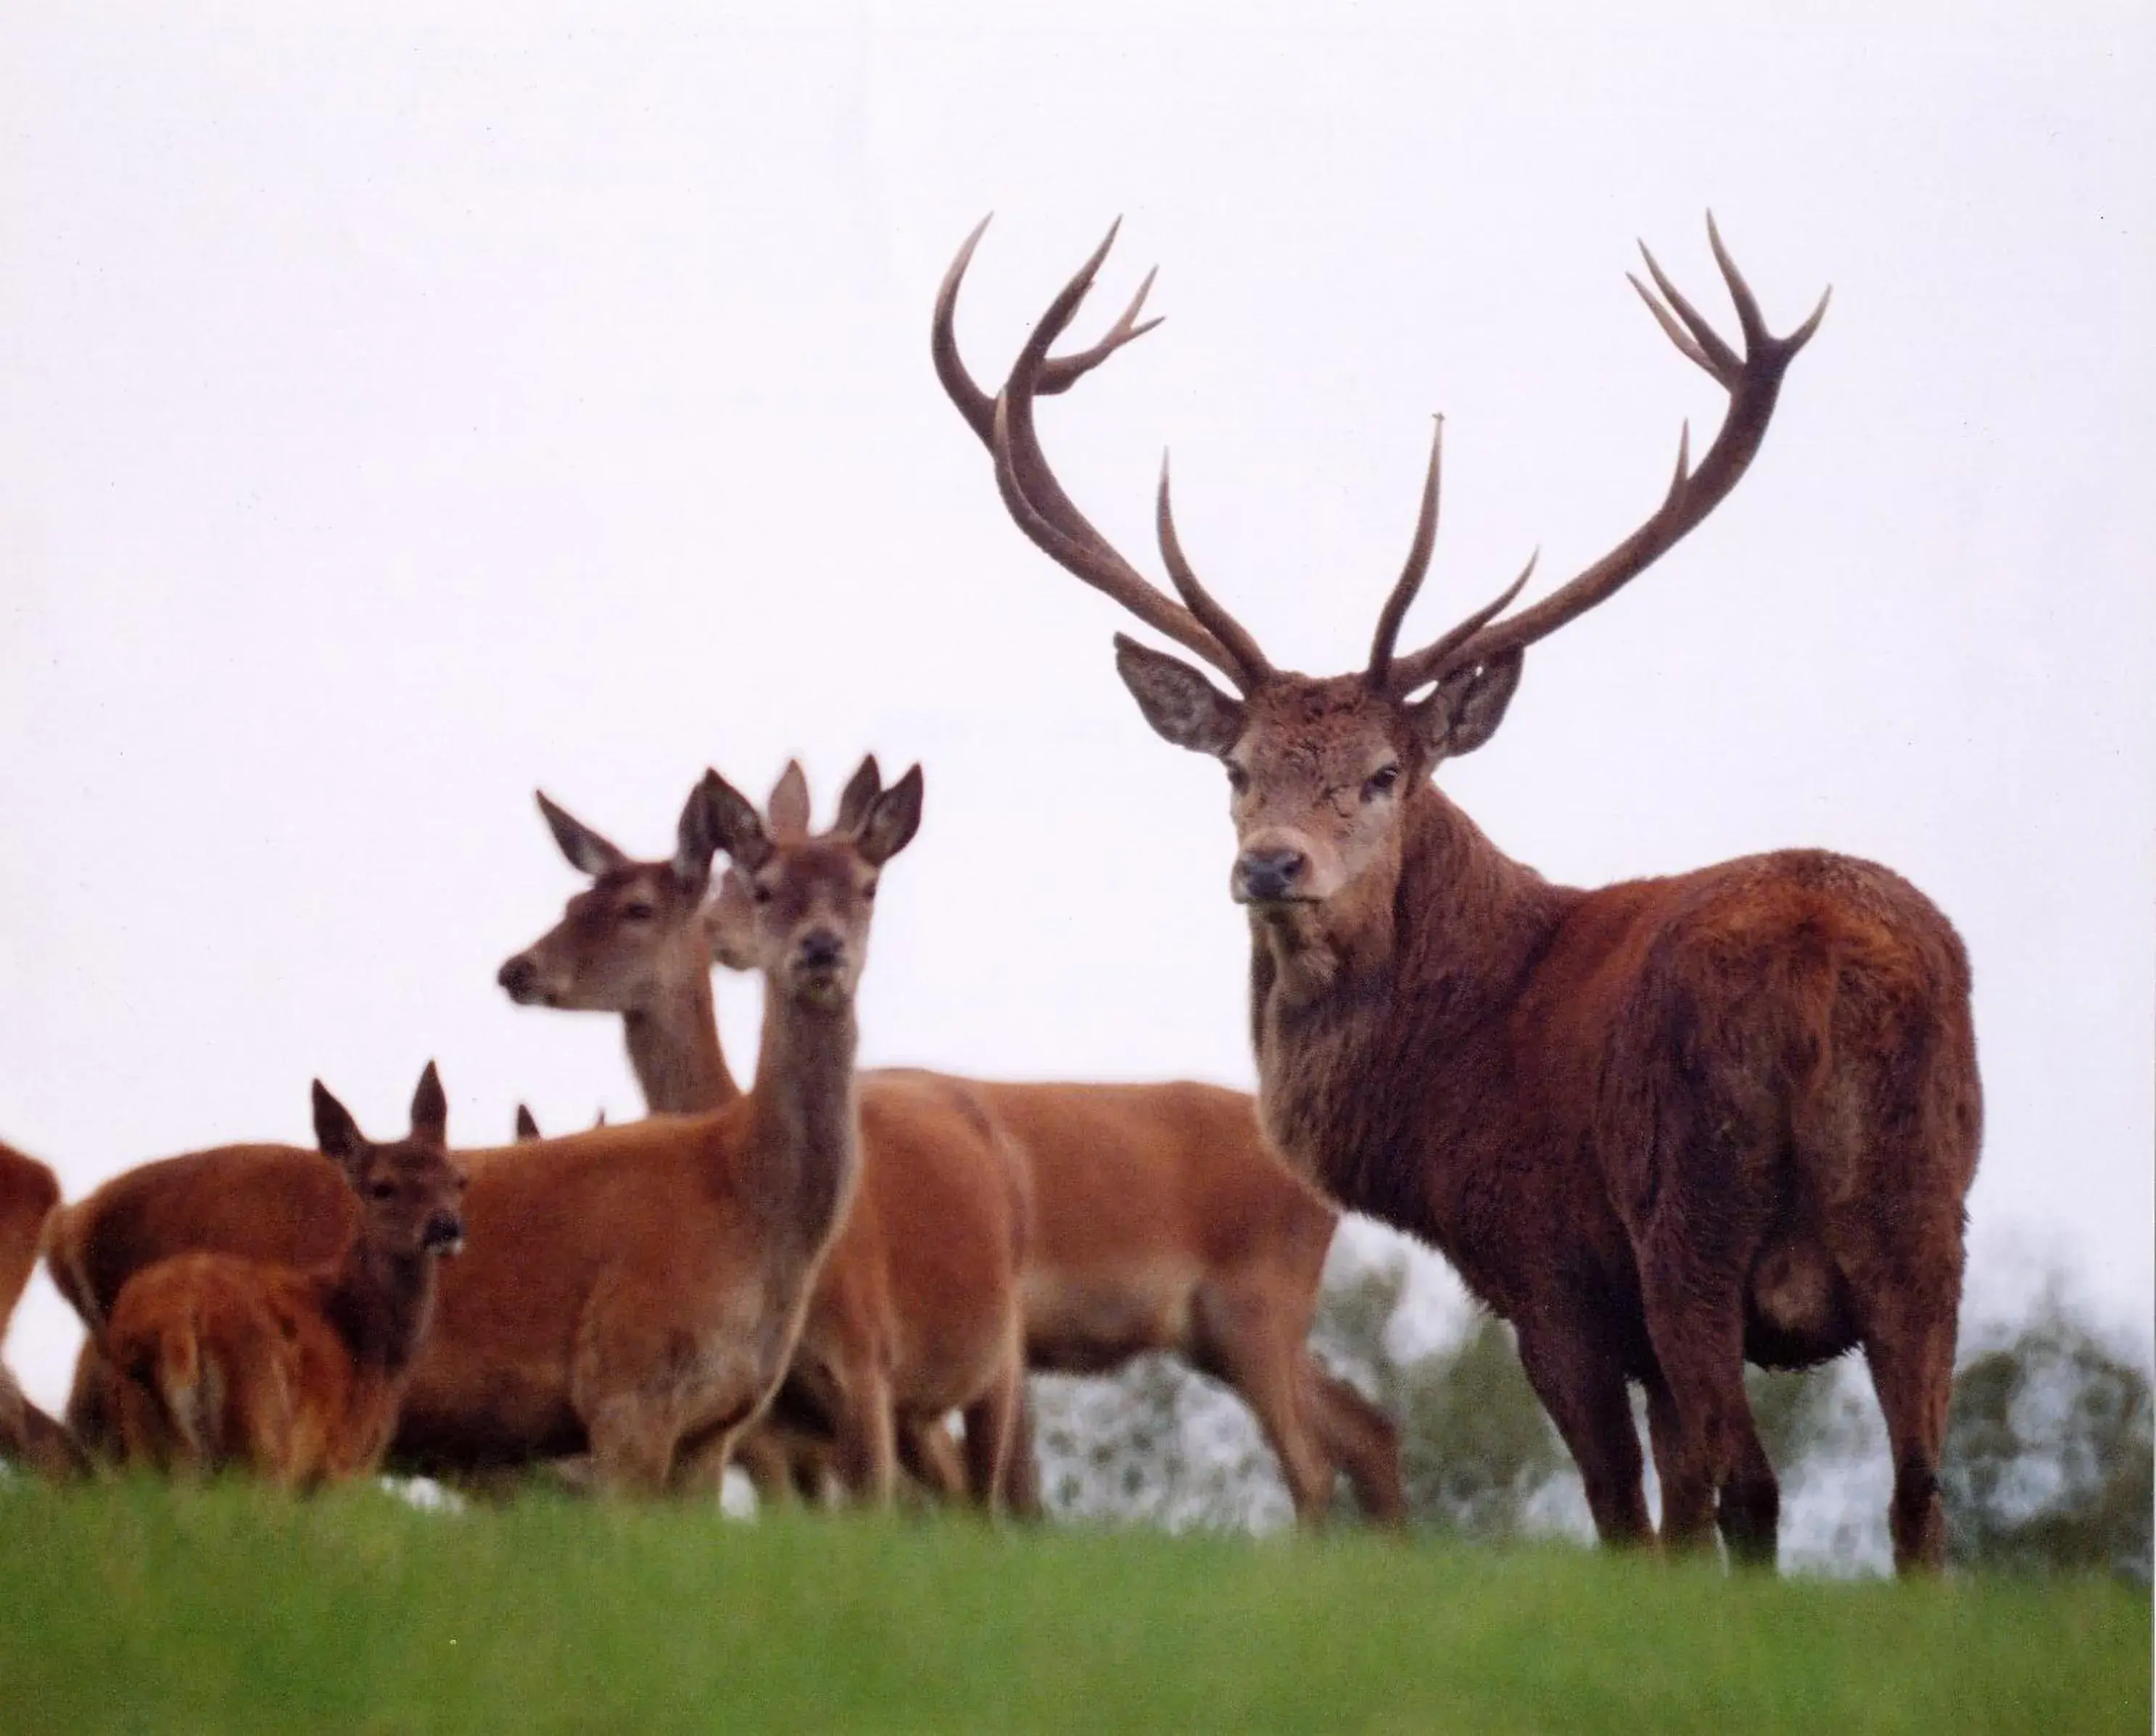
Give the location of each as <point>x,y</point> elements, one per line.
<point>396,415</point>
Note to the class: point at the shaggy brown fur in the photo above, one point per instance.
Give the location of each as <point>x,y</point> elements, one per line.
<point>1660,1128</point>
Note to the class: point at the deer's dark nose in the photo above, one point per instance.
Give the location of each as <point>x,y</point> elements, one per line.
<point>446,1232</point>
<point>1263,875</point>
<point>821,948</point>
<point>517,977</point>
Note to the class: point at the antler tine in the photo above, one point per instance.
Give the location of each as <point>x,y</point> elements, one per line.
<point>1753,382</point>
<point>1036,501</point>
<point>1411,580</point>
<point>1234,638</point>
<point>1406,674</point>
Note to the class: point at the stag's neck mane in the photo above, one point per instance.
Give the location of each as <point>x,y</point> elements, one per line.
<point>804,1125</point>
<point>1392,989</point>
<point>673,1046</point>
<point>378,1302</point>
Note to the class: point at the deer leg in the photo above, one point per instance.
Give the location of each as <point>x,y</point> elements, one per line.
<point>994,1422</point>
<point>92,1415</point>
<point>931,1459</point>
<point>1750,1508</point>
<point>867,1444</point>
<point>1582,1387</point>
<point>1362,1442</point>
<point>1909,1345</point>
<point>1258,1350</point>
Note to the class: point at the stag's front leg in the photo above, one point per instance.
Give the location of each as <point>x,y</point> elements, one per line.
<point>1582,1386</point>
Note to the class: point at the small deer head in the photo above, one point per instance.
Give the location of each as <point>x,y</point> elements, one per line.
<point>797,905</point>
<point>622,943</point>
<point>411,1191</point>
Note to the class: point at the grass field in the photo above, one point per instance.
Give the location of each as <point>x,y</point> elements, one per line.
<point>144,1609</point>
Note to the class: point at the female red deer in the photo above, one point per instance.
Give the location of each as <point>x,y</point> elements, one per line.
<point>29,1192</point>
<point>233,1363</point>
<point>1660,1127</point>
<point>1159,1220</point>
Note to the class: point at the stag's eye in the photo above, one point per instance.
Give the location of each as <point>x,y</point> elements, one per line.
<point>1239,780</point>
<point>639,911</point>
<point>1379,781</point>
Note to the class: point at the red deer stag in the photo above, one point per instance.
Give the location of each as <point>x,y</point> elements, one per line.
<point>916,1310</point>
<point>29,1192</point>
<point>296,1376</point>
<point>1159,1221</point>
<point>632,1292</point>
<point>1661,1127</point>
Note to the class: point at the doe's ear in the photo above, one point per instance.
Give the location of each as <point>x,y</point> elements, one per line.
<point>336,1134</point>
<point>1180,704</point>
<point>587,852</point>
<point>862,789</point>
<point>694,842</point>
<point>893,818</point>
<point>734,824</point>
<point>788,809</point>
<point>430,1110</point>
<point>1467,708</point>
<point>527,1125</point>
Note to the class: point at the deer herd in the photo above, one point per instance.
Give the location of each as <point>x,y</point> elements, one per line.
<point>1663,1128</point>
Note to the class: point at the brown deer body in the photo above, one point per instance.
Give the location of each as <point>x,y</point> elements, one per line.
<point>29,1193</point>
<point>1159,1219</point>
<point>632,1292</point>
<point>1659,1127</point>
<point>914,1313</point>
<point>226,1363</point>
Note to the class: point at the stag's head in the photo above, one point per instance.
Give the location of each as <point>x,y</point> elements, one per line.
<point>1320,770</point>
<point>411,1190</point>
<point>795,905</point>
<point>631,938</point>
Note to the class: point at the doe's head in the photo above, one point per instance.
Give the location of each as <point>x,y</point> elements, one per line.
<point>796,905</point>
<point>626,939</point>
<point>411,1190</point>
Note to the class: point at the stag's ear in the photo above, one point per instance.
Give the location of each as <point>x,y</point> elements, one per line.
<point>1181,705</point>
<point>893,818</point>
<point>730,923</point>
<point>587,852</point>
<point>1467,708</point>
<point>734,826</point>
<point>788,809</point>
<point>527,1125</point>
<point>694,841</point>
<point>430,1110</point>
<point>336,1132</point>
<point>862,789</point>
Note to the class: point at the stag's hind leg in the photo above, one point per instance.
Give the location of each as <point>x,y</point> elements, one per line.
<point>1581,1383</point>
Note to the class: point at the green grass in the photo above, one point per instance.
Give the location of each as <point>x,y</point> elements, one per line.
<point>142,1608</point>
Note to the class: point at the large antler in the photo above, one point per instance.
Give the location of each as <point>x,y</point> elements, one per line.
<point>1038,502</point>
<point>1754,380</point>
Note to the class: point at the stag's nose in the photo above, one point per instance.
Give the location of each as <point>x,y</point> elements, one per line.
<point>517,977</point>
<point>822,948</point>
<point>445,1233</point>
<point>1264,875</point>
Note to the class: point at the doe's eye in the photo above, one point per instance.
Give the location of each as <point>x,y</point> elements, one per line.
<point>868,891</point>
<point>637,912</point>
<point>1379,781</point>
<point>761,893</point>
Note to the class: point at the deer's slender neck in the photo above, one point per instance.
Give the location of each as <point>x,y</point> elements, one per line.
<point>805,1128</point>
<point>379,1302</point>
<point>1349,1009</point>
<point>673,1046</point>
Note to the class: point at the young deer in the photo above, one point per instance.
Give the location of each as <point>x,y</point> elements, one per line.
<point>1159,1221</point>
<point>1661,1127</point>
<point>916,1310</point>
<point>296,1376</point>
<point>29,1192</point>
